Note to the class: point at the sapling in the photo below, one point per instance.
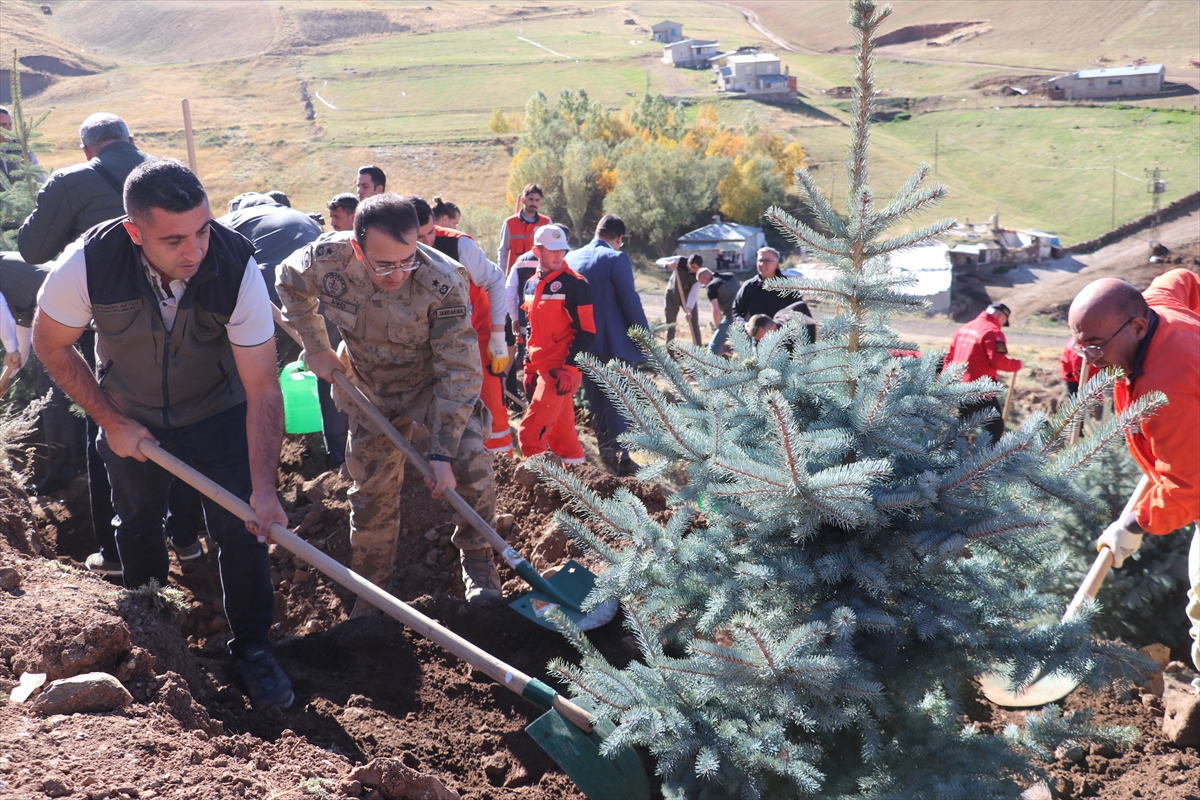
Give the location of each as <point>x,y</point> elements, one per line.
<point>847,554</point>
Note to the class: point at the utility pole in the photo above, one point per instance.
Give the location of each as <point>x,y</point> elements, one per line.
<point>833,191</point>
<point>1157,187</point>
<point>935,152</point>
<point>1113,225</point>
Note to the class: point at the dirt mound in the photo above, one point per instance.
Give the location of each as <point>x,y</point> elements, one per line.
<point>1007,85</point>
<point>317,27</point>
<point>931,31</point>
<point>366,688</point>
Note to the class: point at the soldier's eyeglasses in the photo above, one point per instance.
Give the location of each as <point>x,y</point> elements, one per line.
<point>1093,351</point>
<point>382,268</point>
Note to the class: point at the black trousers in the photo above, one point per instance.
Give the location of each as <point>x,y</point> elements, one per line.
<point>995,428</point>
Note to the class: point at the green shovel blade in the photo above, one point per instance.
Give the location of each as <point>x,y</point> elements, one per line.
<point>578,753</point>
<point>573,582</point>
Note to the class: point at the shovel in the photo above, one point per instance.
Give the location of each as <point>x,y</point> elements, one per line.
<point>565,590</point>
<point>1012,389</point>
<point>1057,685</point>
<point>565,731</point>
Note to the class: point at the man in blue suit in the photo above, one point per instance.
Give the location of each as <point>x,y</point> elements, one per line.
<point>617,307</point>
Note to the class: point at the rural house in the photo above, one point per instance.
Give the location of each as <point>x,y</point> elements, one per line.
<point>753,73</point>
<point>694,53</point>
<point>667,32</point>
<point>1089,84</point>
<point>926,268</point>
<point>724,245</point>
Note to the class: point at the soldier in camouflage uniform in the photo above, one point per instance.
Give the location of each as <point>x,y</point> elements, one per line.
<point>403,313</point>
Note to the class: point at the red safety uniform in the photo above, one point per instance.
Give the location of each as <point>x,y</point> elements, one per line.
<point>561,326</point>
<point>1071,363</point>
<point>520,236</point>
<point>1167,447</point>
<point>492,391</point>
<point>980,344</point>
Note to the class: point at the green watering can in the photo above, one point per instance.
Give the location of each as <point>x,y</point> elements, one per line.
<point>301,407</point>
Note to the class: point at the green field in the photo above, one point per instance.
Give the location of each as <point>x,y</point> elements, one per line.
<point>413,89</point>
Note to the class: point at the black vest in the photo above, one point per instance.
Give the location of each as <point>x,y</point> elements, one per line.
<point>161,379</point>
<point>19,283</point>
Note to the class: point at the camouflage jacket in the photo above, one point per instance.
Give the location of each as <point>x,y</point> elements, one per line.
<point>399,343</point>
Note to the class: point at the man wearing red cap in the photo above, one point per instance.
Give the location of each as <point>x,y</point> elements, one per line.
<point>980,344</point>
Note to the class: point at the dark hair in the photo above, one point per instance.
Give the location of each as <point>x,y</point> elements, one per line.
<point>389,213</point>
<point>759,322</point>
<point>424,212</point>
<point>697,259</point>
<point>162,183</point>
<point>443,209</point>
<point>344,200</point>
<point>681,263</point>
<point>610,227</point>
<point>377,176</point>
<point>532,188</point>
<point>279,197</point>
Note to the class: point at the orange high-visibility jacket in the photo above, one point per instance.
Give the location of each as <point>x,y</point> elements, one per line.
<point>520,236</point>
<point>1168,445</point>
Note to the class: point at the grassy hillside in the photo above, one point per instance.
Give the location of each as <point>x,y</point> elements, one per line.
<point>410,86</point>
<point>1040,33</point>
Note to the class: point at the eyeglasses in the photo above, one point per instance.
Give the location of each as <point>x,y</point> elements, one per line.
<point>1093,351</point>
<point>383,268</point>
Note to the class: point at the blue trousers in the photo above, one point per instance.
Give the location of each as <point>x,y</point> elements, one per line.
<point>718,339</point>
<point>216,447</point>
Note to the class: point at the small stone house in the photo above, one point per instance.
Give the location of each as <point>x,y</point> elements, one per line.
<point>753,73</point>
<point>667,32</point>
<point>694,53</point>
<point>1101,84</point>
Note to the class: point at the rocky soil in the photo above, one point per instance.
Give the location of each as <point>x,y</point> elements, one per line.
<point>380,713</point>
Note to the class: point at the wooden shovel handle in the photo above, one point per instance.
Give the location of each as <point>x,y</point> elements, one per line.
<point>1103,563</point>
<point>187,132</point>
<point>1012,386</point>
<point>6,379</point>
<point>502,673</point>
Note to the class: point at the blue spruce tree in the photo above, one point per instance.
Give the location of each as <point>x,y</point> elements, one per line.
<point>847,554</point>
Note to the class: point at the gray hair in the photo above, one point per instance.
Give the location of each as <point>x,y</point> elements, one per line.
<point>101,128</point>
<point>770,250</point>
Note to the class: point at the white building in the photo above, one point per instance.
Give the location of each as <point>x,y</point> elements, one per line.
<point>667,32</point>
<point>736,244</point>
<point>926,267</point>
<point>689,53</point>
<point>1109,82</point>
<point>752,73</point>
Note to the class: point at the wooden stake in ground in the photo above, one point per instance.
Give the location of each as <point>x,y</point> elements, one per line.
<point>1077,429</point>
<point>1012,388</point>
<point>187,131</point>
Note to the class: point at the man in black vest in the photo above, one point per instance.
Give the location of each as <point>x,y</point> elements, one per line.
<point>75,199</point>
<point>185,339</point>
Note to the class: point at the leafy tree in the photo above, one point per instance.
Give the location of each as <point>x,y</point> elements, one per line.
<point>749,188</point>
<point>846,554</point>
<point>584,164</point>
<point>654,117</point>
<point>18,190</point>
<point>661,190</point>
<point>498,124</point>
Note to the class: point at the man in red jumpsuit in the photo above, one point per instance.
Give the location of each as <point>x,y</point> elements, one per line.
<point>1154,339</point>
<point>980,344</point>
<point>558,302</point>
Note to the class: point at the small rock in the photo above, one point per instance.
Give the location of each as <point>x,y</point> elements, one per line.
<point>1158,653</point>
<point>496,766</point>
<point>1069,752</point>
<point>1039,791</point>
<point>54,787</point>
<point>504,523</point>
<point>1181,720</point>
<point>351,788</point>
<point>10,579</point>
<point>517,776</point>
<point>1175,666</point>
<point>395,781</point>
<point>432,535</point>
<point>1151,701</point>
<point>314,490</point>
<point>30,683</point>
<point>94,691</point>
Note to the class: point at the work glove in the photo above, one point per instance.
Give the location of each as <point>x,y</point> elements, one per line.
<point>530,381</point>
<point>498,353</point>
<point>1123,538</point>
<point>566,380</point>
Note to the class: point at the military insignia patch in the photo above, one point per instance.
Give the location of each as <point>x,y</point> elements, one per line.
<point>450,311</point>
<point>326,251</point>
<point>441,288</point>
<point>1001,347</point>
<point>554,287</point>
<point>349,308</point>
<point>334,284</point>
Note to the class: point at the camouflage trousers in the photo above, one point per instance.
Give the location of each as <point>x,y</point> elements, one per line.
<point>377,468</point>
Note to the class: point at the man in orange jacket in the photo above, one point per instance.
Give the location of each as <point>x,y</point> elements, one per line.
<point>558,302</point>
<point>516,234</point>
<point>980,344</point>
<point>1154,339</point>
